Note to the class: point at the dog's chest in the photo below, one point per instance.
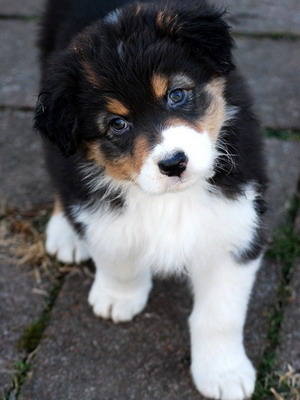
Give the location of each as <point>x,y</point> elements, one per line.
<point>166,231</point>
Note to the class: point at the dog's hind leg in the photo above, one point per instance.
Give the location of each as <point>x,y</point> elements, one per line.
<point>61,239</point>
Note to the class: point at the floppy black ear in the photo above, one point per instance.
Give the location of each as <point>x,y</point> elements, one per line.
<point>56,115</point>
<point>205,32</point>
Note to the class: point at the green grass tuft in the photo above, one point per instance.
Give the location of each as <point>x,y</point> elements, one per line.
<point>267,35</point>
<point>285,248</point>
<point>33,333</point>
<point>282,134</point>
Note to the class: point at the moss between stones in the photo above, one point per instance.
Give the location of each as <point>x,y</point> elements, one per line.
<point>267,35</point>
<point>283,134</point>
<point>285,248</point>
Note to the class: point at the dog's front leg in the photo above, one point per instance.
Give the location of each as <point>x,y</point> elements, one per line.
<point>120,291</point>
<point>220,367</point>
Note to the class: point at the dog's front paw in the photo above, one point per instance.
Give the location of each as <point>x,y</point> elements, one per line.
<point>63,242</point>
<point>235,383</point>
<point>119,305</point>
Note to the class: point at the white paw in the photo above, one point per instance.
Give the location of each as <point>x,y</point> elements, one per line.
<point>233,384</point>
<point>63,242</point>
<point>115,303</point>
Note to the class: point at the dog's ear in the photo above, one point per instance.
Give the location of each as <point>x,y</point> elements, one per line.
<point>204,31</point>
<point>56,115</point>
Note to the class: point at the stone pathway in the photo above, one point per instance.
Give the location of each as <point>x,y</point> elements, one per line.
<point>70,354</point>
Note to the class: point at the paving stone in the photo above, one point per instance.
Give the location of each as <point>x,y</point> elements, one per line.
<point>19,73</point>
<point>87,358</point>
<point>273,81</point>
<point>92,359</point>
<point>19,307</point>
<point>245,15</point>
<point>289,349</point>
<point>28,8</point>
<point>257,16</point>
<point>283,169</point>
<point>24,182</point>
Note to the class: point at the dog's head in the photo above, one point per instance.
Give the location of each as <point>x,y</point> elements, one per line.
<point>141,93</point>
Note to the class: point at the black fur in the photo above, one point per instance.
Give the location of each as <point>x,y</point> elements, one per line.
<point>197,41</point>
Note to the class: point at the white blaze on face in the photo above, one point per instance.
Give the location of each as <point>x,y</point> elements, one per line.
<point>199,150</point>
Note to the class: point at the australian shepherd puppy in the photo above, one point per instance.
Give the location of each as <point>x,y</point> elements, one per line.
<point>156,160</point>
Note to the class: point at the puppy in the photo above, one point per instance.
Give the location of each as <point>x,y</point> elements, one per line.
<point>156,161</point>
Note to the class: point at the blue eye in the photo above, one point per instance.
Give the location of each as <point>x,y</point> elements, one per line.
<point>177,97</point>
<point>118,125</point>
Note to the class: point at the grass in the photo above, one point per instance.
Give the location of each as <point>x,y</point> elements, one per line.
<point>22,237</point>
<point>267,35</point>
<point>18,17</point>
<point>33,333</point>
<point>283,134</point>
<point>284,249</point>
<point>22,369</point>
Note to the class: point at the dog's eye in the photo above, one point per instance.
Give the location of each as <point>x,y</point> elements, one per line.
<point>118,125</point>
<point>177,97</point>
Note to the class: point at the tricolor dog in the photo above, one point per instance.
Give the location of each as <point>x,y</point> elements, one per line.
<point>156,160</point>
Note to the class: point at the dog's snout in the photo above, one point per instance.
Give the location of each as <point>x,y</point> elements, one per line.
<point>173,165</point>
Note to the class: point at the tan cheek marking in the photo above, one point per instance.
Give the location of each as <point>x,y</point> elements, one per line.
<point>159,85</point>
<point>124,168</point>
<point>141,152</point>
<point>215,115</point>
<point>116,107</point>
<point>91,75</point>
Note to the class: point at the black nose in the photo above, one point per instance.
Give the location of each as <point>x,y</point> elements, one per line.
<point>174,165</point>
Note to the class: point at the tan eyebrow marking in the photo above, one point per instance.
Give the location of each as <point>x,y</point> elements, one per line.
<point>167,21</point>
<point>116,107</point>
<point>159,85</point>
<point>91,74</point>
<point>159,19</point>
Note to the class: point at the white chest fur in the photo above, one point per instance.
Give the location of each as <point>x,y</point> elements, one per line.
<point>167,231</point>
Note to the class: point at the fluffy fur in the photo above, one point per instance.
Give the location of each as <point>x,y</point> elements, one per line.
<point>156,160</point>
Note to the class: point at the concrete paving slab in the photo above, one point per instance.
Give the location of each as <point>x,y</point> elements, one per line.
<point>274,81</point>
<point>24,182</point>
<point>19,307</point>
<point>28,8</point>
<point>245,15</point>
<point>85,357</point>
<point>261,16</point>
<point>289,349</point>
<point>283,168</point>
<point>19,72</point>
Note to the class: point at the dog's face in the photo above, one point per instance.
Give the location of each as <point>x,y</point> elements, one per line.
<point>141,94</point>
